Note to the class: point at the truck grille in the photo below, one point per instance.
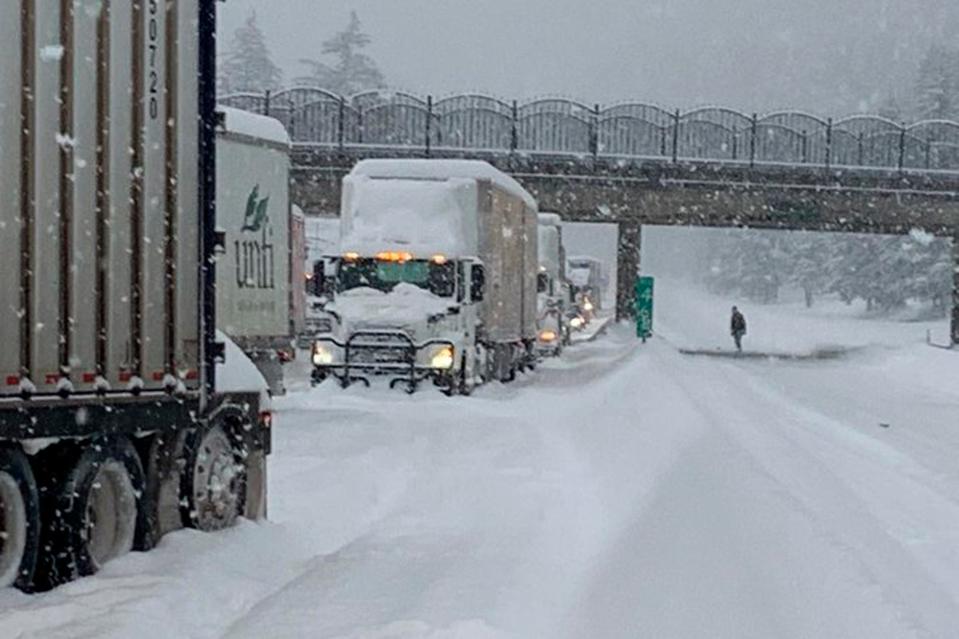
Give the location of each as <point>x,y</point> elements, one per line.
<point>380,355</point>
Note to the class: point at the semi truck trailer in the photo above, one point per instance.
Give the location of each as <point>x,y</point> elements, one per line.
<point>553,289</point>
<point>436,279</point>
<point>255,289</point>
<point>114,426</point>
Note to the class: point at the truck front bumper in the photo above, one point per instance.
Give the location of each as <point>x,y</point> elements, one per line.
<point>368,354</point>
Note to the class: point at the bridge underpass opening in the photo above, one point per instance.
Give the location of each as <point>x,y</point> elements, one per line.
<point>588,243</point>
<point>804,294</point>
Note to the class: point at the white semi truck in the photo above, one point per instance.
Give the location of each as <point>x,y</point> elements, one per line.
<point>114,426</point>
<point>254,302</point>
<point>436,279</point>
<point>588,281</point>
<point>553,299</point>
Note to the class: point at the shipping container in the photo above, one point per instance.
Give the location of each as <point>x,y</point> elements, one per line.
<point>107,366</point>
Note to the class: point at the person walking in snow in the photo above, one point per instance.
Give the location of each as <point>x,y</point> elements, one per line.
<point>737,327</point>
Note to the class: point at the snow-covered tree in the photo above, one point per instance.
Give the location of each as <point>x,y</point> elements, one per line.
<point>247,66</point>
<point>350,70</point>
<point>937,90</point>
<point>808,254</point>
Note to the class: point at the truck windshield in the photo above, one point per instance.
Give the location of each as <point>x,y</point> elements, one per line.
<point>439,279</point>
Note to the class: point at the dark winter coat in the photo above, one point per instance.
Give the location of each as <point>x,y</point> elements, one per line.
<point>738,323</point>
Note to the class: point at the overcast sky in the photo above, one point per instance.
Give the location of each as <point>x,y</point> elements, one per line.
<point>831,56</point>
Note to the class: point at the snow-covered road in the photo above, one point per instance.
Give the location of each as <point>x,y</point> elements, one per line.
<point>624,491</point>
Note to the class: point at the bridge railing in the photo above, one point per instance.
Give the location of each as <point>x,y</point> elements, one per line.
<point>315,117</point>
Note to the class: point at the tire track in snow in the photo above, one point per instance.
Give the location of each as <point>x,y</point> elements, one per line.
<point>820,484</point>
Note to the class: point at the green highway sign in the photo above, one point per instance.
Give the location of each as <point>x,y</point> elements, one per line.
<point>644,307</point>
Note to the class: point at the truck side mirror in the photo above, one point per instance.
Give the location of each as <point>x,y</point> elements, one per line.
<point>477,283</point>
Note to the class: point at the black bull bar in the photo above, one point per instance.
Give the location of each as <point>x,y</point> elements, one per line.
<point>381,353</point>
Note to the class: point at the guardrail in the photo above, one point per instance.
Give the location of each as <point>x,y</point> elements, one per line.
<point>315,117</point>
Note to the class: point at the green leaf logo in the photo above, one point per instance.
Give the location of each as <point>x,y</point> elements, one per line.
<point>257,211</point>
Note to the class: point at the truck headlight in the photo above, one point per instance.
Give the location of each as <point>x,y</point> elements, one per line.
<point>442,358</point>
<point>587,306</point>
<point>576,322</point>
<point>322,355</point>
<point>547,335</point>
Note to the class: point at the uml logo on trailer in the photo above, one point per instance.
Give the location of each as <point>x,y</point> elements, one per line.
<point>254,250</point>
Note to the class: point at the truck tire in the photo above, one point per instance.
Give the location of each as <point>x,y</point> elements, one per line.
<point>19,520</point>
<point>100,514</point>
<point>213,483</point>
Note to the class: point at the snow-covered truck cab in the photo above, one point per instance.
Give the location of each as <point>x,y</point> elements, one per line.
<point>437,277</point>
<point>586,278</point>
<point>553,291</point>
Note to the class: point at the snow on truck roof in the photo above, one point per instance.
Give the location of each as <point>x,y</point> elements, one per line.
<point>443,170</point>
<point>253,125</point>
<point>550,219</point>
<point>422,216</point>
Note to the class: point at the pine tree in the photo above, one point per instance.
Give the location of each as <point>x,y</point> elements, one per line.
<point>937,90</point>
<point>247,66</point>
<point>352,70</point>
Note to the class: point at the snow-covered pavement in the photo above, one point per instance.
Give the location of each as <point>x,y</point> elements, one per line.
<point>624,491</point>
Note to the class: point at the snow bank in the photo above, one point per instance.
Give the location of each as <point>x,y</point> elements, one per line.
<point>253,125</point>
<point>443,170</point>
<point>421,217</point>
<point>239,374</point>
<point>693,319</point>
<point>405,304</point>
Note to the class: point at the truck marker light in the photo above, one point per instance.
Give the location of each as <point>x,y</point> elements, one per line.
<point>351,257</point>
<point>439,260</point>
<point>394,256</point>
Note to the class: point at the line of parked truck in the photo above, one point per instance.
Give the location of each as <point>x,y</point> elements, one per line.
<point>445,273</point>
<point>155,277</point>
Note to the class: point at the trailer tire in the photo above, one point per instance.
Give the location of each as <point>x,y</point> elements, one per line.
<point>213,484</point>
<point>100,509</point>
<point>19,520</point>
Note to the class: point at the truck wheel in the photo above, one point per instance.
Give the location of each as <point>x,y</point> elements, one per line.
<point>100,514</point>
<point>214,481</point>
<point>19,520</point>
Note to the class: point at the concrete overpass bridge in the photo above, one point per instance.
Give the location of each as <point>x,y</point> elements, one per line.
<point>638,165</point>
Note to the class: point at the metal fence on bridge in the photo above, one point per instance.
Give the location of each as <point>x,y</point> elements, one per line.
<point>472,122</point>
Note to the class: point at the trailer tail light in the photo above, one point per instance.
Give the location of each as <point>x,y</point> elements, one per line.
<point>13,380</point>
<point>125,376</point>
<point>266,419</point>
<point>89,378</point>
<point>52,378</point>
<point>192,374</point>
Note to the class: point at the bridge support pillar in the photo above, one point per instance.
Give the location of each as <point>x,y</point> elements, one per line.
<point>630,242</point>
<point>955,290</point>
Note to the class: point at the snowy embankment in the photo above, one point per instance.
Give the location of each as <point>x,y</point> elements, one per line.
<point>620,492</point>
<point>690,318</point>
